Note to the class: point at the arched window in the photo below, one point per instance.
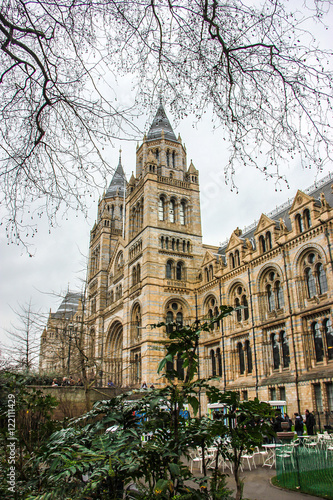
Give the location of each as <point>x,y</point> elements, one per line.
<point>169,321</point>
<point>275,351</point>
<point>171,211</point>
<point>262,244</point>
<point>241,358</point>
<point>321,278</point>
<point>248,356</point>
<point>211,272</point>
<point>134,278</point>
<point>279,295</point>
<point>237,261</point>
<point>173,159</point>
<point>213,362</point>
<point>240,300</point>
<point>136,323</point>
<point>138,273</point>
<point>182,213</point>
<point>161,208</point>
<point>179,318</point>
<point>285,349</point>
<point>232,260</point>
<point>162,242</point>
<point>310,282</point>
<point>299,223</point>
<point>307,218</point>
<point>246,307</point>
<point>207,274</point>
<point>270,298</point>
<point>180,271</point>
<point>238,311</point>
<point>219,361</point>
<point>274,291</point>
<point>168,157</point>
<point>268,241</point>
<point>328,331</point>
<point>169,269</point>
<point>318,341</point>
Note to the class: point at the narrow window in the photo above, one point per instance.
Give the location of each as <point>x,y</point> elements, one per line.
<point>318,342</point>
<point>307,218</point>
<point>329,337</point>
<point>182,213</point>
<point>321,276</point>
<point>270,298</point>
<point>268,241</point>
<point>248,356</point>
<point>299,222</point>
<point>213,361</point>
<point>246,308</point>
<point>169,267</point>
<point>310,282</point>
<point>179,271</point>
<point>161,209</point>
<point>219,361</point>
<point>171,211</point>
<point>275,351</point>
<point>279,295</point>
<point>241,358</point>
<point>285,349</point>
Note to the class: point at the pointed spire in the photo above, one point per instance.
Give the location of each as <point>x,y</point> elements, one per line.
<point>116,187</point>
<point>161,122</point>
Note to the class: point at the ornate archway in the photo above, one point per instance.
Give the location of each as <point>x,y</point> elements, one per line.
<point>114,354</point>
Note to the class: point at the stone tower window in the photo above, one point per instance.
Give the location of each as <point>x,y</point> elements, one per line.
<point>182,213</point>
<point>161,208</point>
<point>171,211</point>
<point>315,275</point>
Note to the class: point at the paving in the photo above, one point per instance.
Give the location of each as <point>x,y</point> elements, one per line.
<point>257,486</point>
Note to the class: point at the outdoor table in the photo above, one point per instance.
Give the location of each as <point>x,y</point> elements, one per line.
<point>270,460</point>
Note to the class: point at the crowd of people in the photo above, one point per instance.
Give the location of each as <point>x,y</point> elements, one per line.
<point>66,382</point>
<point>299,422</point>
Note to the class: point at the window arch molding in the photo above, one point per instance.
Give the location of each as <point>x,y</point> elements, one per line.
<point>311,267</point>
<point>114,352</point>
<point>211,308</point>
<point>239,296</point>
<point>136,322</point>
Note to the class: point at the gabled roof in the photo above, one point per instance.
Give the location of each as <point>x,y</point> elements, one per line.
<point>324,186</point>
<point>160,123</point>
<point>116,187</point>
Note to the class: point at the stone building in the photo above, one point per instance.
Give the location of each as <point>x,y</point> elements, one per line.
<point>147,263</point>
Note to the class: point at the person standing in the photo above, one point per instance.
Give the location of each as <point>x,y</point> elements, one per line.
<point>299,426</point>
<point>309,422</point>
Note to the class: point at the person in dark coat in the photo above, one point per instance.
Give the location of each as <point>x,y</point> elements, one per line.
<point>299,426</point>
<point>309,422</point>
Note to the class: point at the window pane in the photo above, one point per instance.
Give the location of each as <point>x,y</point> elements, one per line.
<point>322,281</point>
<point>329,337</point>
<point>249,356</point>
<point>182,213</point>
<point>276,352</point>
<point>241,359</point>
<point>160,209</point>
<point>310,282</point>
<point>219,361</point>
<point>318,342</point>
<point>213,363</point>
<point>172,211</point>
<point>285,350</point>
<point>270,298</point>
<point>318,397</point>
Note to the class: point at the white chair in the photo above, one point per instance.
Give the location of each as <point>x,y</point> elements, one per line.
<point>250,459</point>
<point>262,454</point>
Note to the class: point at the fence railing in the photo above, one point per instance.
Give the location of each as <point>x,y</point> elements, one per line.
<point>306,465</point>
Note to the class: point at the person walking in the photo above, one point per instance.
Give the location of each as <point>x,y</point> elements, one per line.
<point>309,422</point>
<point>299,426</point>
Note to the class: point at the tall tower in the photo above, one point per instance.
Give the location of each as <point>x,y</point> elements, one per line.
<point>163,246</point>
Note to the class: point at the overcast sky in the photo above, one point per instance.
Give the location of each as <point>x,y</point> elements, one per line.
<point>59,259</point>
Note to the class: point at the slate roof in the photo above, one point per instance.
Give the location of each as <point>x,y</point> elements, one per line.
<point>323,186</point>
<point>161,122</point>
<point>68,306</point>
<point>116,186</point>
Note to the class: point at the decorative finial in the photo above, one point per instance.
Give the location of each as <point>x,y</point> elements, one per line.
<point>120,155</point>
